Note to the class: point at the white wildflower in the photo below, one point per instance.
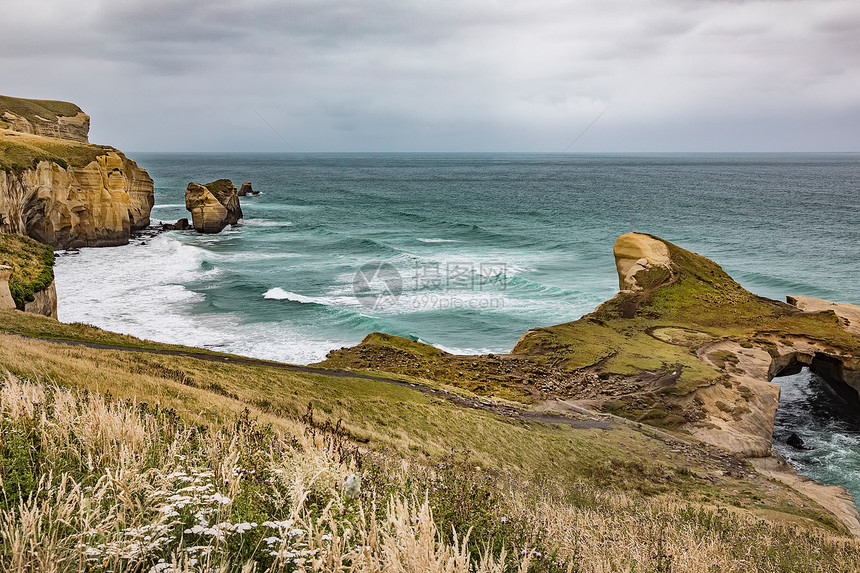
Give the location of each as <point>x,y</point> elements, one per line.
<point>352,487</point>
<point>243,527</point>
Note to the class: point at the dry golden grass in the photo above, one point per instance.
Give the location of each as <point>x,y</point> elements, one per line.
<point>130,516</point>
<point>120,486</point>
<point>387,417</point>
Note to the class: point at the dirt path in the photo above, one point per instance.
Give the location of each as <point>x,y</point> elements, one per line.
<point>576,420</point>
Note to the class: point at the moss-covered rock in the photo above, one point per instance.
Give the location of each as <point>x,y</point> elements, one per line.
<point>20,151</point>
<point>32,267</point>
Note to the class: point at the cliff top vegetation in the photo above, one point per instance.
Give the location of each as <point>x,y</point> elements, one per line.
<point>32,266</point>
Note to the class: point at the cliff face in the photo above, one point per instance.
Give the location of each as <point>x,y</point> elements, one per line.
<point>63,191</point>
<point>47,118</point>
<point>96,205</point>
<point>44,302</point>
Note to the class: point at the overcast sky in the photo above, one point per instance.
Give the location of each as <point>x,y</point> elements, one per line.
<point>439,75</point>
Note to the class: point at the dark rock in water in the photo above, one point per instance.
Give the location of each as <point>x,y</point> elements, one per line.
<point>180,225</point>
<point>246,189</point>
<point>796,442</point>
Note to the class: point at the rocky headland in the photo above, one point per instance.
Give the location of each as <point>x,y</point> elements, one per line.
<point>682,346</point>
<point>58,188</point>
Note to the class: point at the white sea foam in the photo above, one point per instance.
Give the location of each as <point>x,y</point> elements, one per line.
<point>265,223</point>
<point>278,293</point>
<point>438,240</point>
<point>139,290</point>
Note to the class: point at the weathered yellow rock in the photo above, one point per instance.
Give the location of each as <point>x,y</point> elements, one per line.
<point>57,188</point>
<point>635,252</point>
<point>6,300</point>
<point>96,205</point>
<point>75,128</point>
<point>44,117</point>
<point>213,206</point>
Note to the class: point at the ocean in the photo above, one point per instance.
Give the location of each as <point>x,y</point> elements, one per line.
<point>463,251</point>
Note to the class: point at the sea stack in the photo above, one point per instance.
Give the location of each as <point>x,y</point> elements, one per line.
<point>213,206</point>
<point>246,189</point>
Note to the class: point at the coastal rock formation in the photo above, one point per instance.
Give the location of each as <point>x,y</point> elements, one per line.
<point>213,206</point>
<point>848,314</point>
<point>681,346</point>
<point>6,300</point>
<point>44,302</point>
<point>94,205</point>
<point>246,189</point>
<point>180,225</point>
<point>65,192</point>
<point>796,442</point>
<point>642,262</point>
<point>46,118</point>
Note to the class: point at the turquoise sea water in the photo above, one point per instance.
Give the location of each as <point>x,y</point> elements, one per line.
<point>479,248</point>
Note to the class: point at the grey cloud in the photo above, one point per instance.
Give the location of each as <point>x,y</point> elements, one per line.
<point>409,75</point>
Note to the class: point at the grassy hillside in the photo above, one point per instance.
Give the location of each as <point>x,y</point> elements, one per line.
<point>31,108</point>
<point>25,151</point>
<point>32,266</point>
<point>635,355</point>
<point>107,446</point>
<point>110,485</point>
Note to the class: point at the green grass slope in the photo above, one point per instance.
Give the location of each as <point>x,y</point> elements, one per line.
<point>32,266</point>
<point>32,109</point>
<point>405,421</point>
<point>24,151</point>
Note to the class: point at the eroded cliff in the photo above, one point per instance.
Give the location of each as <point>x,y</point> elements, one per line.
<point>65,192</point>
<point>47,118</point>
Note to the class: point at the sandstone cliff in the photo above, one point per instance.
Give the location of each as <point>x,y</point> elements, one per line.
<point>213,206</point>
<point>65,192</point>
<point>47,118</point>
